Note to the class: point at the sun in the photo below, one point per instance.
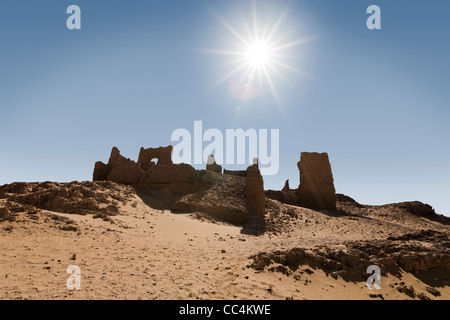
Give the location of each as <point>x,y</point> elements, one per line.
<point>260,51</point>
<point>258,55</point>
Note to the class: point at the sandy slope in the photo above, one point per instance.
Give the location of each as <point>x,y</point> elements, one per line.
<point>145,253</point>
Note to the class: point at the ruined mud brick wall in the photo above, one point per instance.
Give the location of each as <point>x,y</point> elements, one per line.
<point>163,154</point>
<point>237,173</point>
<point>212,166</point>
<point>254,191</point>
<point>316,188</point>
<point>179,178</point>
<point>119,169</point>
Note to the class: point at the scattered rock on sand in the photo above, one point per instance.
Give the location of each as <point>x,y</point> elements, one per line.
<point>432,251</point>
<point>435,292</point>
<point>74,197</point>
<point>422,296</point>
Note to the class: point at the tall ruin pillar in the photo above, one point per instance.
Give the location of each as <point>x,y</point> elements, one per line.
<point>254,191</point>
<point>316,190</point>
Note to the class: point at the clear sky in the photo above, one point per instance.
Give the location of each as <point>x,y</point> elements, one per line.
<point>376,100</point>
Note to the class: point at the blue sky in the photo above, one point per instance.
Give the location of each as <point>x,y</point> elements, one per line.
<point>376,101</point>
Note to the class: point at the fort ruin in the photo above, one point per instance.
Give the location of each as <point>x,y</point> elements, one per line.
<point>316,189</point>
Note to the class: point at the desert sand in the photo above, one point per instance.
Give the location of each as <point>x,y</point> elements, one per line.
<point>128,246</point>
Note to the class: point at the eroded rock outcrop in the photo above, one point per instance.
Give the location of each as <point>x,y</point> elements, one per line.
<point>224,199</point>
<point>101,197</point>
<point>422,210</point>
<point>316,189</point>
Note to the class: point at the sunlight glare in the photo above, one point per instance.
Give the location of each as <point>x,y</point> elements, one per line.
<point>258,51</point>
<point>258,55</point>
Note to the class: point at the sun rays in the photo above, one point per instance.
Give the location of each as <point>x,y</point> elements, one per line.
<point>260,51</point>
